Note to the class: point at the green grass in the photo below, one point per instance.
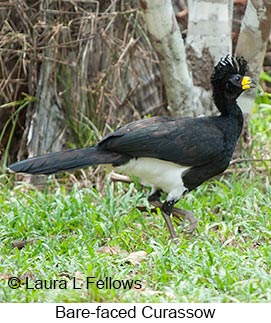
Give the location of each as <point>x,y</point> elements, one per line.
<point>228,259</point>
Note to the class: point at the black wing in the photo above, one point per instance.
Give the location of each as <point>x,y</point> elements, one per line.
<point>186,141</point>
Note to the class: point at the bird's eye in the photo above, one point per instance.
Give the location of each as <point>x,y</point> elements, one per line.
<point>237,78</point>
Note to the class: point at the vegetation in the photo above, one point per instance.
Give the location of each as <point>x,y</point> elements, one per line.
<point>89,65</point>
<point>79,233</point>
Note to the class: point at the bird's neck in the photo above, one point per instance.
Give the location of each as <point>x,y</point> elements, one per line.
<point>227,106</point>
<point>230,111</point>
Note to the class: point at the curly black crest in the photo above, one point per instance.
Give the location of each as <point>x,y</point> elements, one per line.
<point>228,66</point>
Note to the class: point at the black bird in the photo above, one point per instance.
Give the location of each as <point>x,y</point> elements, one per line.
<point>173,155</point>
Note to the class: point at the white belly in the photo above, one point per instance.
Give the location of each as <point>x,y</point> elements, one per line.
<point>158,174</point>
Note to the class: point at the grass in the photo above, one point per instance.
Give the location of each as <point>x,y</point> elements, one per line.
<point>228,259</point>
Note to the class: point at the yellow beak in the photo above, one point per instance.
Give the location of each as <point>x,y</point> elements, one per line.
<point>247,83</point>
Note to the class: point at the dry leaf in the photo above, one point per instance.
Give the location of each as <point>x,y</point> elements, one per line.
<point>78,276</point>
<point>135,258</point>
<point>112,250</point>
<point>109,250</point>
<point>5,276</point>
<point>20,244</point>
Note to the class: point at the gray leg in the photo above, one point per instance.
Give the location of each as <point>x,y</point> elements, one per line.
<point>154,199</point>
<point>187,216</point>
<point>166,212</point>
<point>180,215</point>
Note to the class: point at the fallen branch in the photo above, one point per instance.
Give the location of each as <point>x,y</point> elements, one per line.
<point>115,177</point>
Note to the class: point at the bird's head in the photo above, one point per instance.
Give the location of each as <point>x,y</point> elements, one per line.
<point>230,76</point>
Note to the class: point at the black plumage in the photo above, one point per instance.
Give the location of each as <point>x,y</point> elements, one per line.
<point>171,154</point>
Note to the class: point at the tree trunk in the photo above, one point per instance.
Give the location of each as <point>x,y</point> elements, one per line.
<point>187,95</point>
<point>209,29</point>
<point>252,43</point>
<point>168,43</point>
<point>208,39</point>
<point>46,130</point>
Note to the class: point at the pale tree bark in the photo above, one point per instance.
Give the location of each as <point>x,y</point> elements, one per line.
<point>252,42</point>
<point>208,39</point>
<point>168,43</point>
<point>208,36</point>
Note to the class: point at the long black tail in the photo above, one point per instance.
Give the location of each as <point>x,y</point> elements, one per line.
<point>67,160</point>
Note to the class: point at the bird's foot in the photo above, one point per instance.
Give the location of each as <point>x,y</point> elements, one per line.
<point>168,209</point>
<point>187,216</point>
<point>180,215</point>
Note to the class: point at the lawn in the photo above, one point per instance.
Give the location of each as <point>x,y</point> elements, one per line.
<point>90,247</point>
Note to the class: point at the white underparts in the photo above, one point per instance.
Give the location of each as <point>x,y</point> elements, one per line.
<point>158,174</point>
